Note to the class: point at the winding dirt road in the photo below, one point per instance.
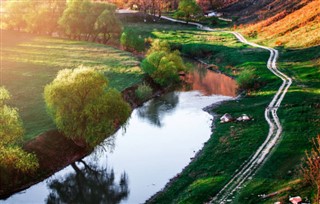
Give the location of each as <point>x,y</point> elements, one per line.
<point>249,168</point>
<point>275,129</point>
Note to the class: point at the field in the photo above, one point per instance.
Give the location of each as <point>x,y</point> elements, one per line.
<point>30,62</point>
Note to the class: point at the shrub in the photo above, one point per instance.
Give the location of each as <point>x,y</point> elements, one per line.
<point>81,107</point>
<point>143,92</point>
<point>131,41</point>
<point>12,157</point>
<point>253,34</point>
<point>247,79</point>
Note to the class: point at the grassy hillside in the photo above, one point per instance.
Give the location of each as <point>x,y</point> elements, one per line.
<point>231,144</point>
<point>30,62</point>
<point>252,11</point>
<point>299,115</point>
<point>298,28</point>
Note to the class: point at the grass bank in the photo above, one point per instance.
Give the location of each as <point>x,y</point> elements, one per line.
<point>233,143</point>
<point>30,62</point>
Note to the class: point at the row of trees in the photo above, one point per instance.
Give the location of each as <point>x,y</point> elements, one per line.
<point>77,19</point>
<point>157,6</point>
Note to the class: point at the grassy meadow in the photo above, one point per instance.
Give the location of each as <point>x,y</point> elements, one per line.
<point>233,143</point>
<point>30,62</point>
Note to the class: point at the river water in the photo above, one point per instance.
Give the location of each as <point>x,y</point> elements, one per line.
<point>137,161</point>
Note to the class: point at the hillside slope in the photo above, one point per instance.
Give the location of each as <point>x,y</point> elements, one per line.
<point>294,23</point>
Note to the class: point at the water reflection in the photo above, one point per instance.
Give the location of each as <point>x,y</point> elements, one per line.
<point>209,82</point>
<point>157,108</point>
<point>159,140</point>
<point>88,183</point>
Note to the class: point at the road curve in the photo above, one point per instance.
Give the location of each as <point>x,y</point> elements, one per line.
<point>249,168</point>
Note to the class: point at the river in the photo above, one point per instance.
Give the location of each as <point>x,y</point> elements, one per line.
<point>138,160</point>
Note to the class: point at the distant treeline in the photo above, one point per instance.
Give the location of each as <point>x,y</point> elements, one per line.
<point>75,19</point>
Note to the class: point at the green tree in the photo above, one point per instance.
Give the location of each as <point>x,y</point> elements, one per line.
<point>187,9</point>
<point>108,24</point>
<point>12,157</point>
<point>15,14</point>
<point>34,16</point>
<point>73,20</point>
<point>83,107</point>
<point>11,129</point>
<point>131,41</point>
<point>162,64</point>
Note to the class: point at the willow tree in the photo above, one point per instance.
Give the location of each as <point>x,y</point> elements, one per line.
<point>83,107</point>
<point>162,64</point>
<point>12,157</point>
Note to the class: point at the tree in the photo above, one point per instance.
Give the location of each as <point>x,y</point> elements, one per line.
<point>15,14</point>
<point>12,158</point>
<point>83,107</point>
<point>311,171</point>
<point>187,9</point>
<point>107,23</point>
<point>34,16</point>
<point>162,64</point>
<point>132,41</point>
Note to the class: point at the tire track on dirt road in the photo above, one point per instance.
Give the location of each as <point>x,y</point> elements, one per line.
<point>249,168</point>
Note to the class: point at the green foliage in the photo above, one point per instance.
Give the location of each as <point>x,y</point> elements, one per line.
<point>143,92</point>
<point>81,107</point>
<point>84,18</point>
<point>12,157</point>
<point>107,23</point>
<point>11,129</point>
<point>197,50</point>
<point>132,41</point>
<point>158,46</point>
<point>247,79</point>
<point>34,16</point>
<point>187,9</point>
<point>162,64</point>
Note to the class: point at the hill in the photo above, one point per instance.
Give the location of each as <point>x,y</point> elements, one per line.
<point>293,23</point>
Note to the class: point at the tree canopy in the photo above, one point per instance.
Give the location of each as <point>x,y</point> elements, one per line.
<point>162,64</point>
<point>83,107</point>
<point>187,9</point>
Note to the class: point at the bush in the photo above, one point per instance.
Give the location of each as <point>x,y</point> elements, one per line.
<point>81,107</point>
<point>253,34</point>
<point>12,157</point>
<point>247,79</point>
<point>143,92</point>
<point>131,41</point>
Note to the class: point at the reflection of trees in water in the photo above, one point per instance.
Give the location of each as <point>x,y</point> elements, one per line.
<point>157,108</point>
<point>88,184</point>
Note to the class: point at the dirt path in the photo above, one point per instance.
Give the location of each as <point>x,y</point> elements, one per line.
<point>248,169</point>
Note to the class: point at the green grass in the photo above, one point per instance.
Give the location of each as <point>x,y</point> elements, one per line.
<point>299,115</point>
<point>232,144</point>
<point>30,62</point>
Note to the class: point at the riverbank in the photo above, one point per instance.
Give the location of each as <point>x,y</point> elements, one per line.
<point>55,151</point>
<point>233,143</point>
